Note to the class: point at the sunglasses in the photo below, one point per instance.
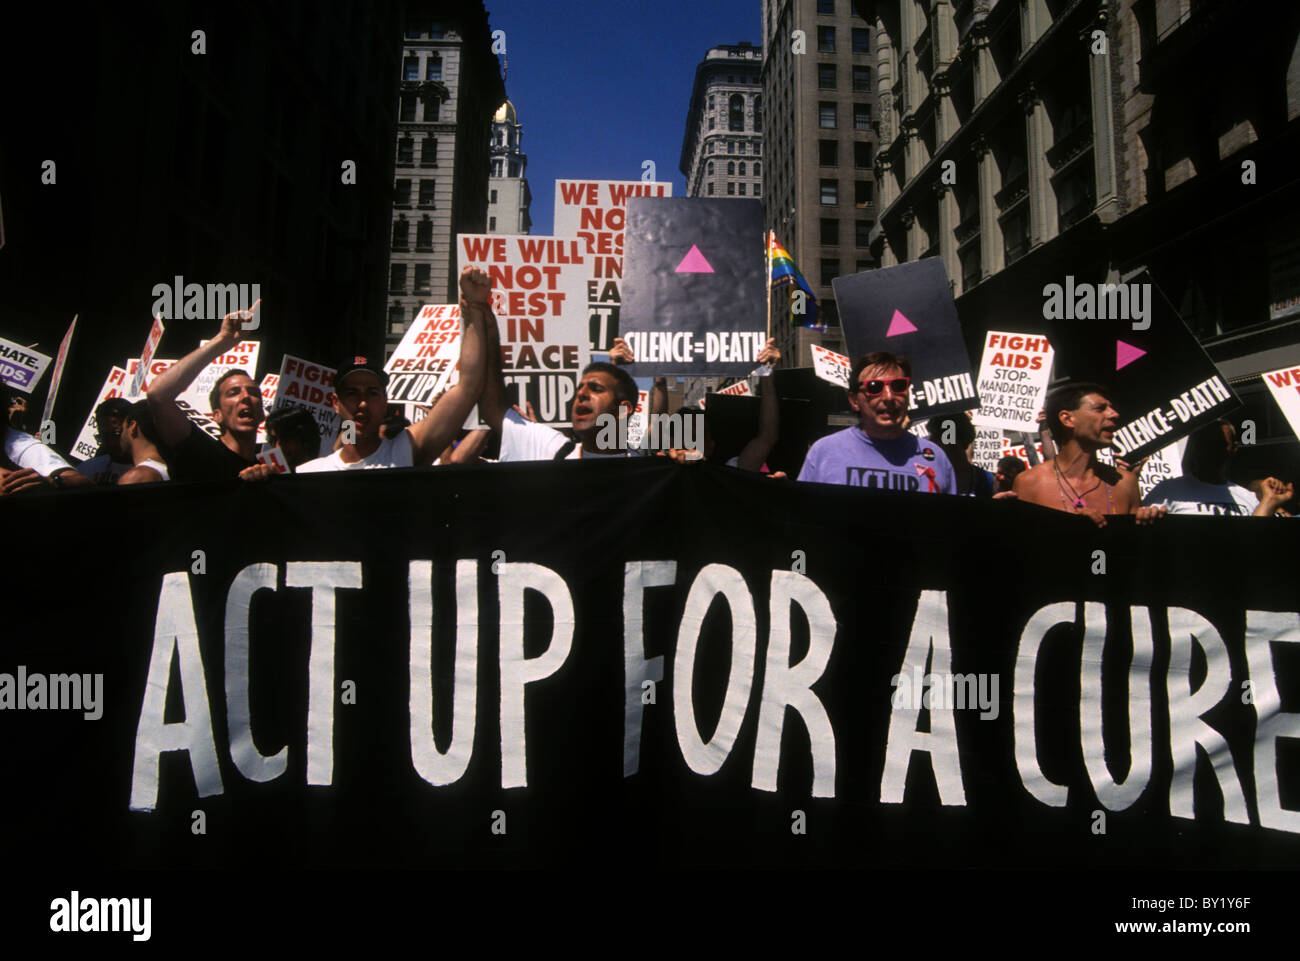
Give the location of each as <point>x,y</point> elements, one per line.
<point>898,385</point>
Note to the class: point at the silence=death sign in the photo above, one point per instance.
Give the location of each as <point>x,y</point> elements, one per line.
<point>595,212</point>
<point>693,286</point>
<point>539,299</point>
<point>908,310</point>
<point>1013,380</point>
<point>424,364</point>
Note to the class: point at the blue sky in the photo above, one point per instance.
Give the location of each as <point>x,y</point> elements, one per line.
<point>602,87</point>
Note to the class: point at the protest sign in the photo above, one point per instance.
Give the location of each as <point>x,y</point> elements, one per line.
<point>539,298</point>
<point>268,387</point>
<point>425,362</point>
<point>987,449</point>
<point>273,458</point>
<point>56,377</point>
<point>770,690</point>
<point>132,365</point>
<point>637,422</point>
<point>1160,465</point>
<point>831,366</point>
<point>595,212</point>
<point>21,367</point>
<point>86,444</point>
<point>138,381</point>
<point>1284,385</point>
<point>908,310</point>
<point>693,286</point>
<point>241,356</point>
<point>200,417</point>
<point>302,383</point>
<point>1159,377</point>
<point>1013,379</point>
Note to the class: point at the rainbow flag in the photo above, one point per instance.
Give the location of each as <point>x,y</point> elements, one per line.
<point>785,272</point>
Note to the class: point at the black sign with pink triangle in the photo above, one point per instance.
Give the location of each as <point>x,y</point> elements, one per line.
<point>1160,379</point>
<point>908,310</point>
<point>693,285</point>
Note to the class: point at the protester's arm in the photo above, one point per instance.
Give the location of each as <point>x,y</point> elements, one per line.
<point>435,432</point>
<point>140,475</point>
<point>492,402</point>
<point>1273,493</point>
<point>1045,437</point>
<point>755,452</point>
<point>621,353</point>
<point>26,478</point>
<point>468,450</point>
<point>173,426</point>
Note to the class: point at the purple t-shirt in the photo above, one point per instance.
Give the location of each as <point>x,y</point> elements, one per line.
<point>905,463</point>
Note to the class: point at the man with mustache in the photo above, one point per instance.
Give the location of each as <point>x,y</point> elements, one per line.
<point>879,452</point>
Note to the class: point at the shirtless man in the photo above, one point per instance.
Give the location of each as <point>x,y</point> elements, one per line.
<point>1083,421</point>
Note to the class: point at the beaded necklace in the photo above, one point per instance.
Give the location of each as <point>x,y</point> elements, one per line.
<point>1078,503</point>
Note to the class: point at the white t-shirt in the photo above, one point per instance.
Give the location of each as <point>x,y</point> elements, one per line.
<point>102,469</point>
<point>1187,495</point>
<point>24,450</point>
<point>395,452</point>
<point>157,465</point>
<point>522,439</point>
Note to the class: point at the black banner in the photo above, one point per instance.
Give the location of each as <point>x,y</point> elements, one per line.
<point>594,662</point>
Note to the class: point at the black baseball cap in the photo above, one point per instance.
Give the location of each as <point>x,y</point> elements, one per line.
<point>355,363</point>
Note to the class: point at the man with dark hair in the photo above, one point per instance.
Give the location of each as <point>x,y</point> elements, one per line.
<point>1082,422</point>
<point>955,433</point>
<point>603,389</point>
<point>295,432</point>
<point>1009,468</point>
<point>139,441</point>
<point>109,463</point>
<point>27,464</point>
<point>879,452</point>
<point>1204,487</point>
<point>360,399</point>
<point>17,410</point>
<point>236,408</point>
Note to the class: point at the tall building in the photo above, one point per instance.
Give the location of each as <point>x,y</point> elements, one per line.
<point>722,152</point>
<point>509,199</point>
<point>451,86</point>
<point>1025,141</point>
<point>819,86</point>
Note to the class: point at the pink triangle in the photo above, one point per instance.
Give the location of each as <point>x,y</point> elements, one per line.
<point>898,324</point>
<point>1125,354</point>
<point>693,263</point>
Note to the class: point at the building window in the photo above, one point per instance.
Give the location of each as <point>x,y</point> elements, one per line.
<point>742,168</point>
<point>861,40</point>
<point>758,190</point>
<point>708,168</point>
<point>862,155</point>
<point>864,265</point>
<point>758,169</point>
<point>731,146</point>
<point>422,272</point>
<point>758,113</point>
<point>861,79</point>
<point>830,192</point>
<point>431,108</point>
<point>406,113</point>
<point>826,6</point>
<point>862,193</point>
<point>401,233</point>
<point>742,190</point>
<point>825,39</point>
<point>397,279</point>
<point>411,68</point>
<point>395,318</point>
<point>830,270</point>
<point>712,106</point>
<point>437,31</point>
<point>429,152</point>
<point>406,151</point>
<point>492,196</point>
<point>830,232</point>
<point>742,146</point>
<point>402,193</point>
<point>424,234</point>
<point>514,168</point>
<point>861,116</point>
<point>826,115</point>
<point>862,233</point>
<point>433,67</point>
<point>825,76</point>
<point>498,166</point>
<point>426,192</point>
<point>731,168</point>
<point>736,112</point>
<point>828,153</point>
<point>731,189</point>
<point>492,223</point>
<point>708,148</point>
<point>710,188</point>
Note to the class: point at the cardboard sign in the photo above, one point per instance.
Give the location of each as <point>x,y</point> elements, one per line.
<point>1129,338</point>
<point>138,382</point>
<point>908,310</point>
<point>20,366</point>
<point>1162,465</point>
<point>132,364</point>
<point>636,424</point>
<point>1013,380</point>
<point>56,377</point>
<point>199,417</point>
<point>986,451</point>
<point>425,362</point>
<point>1284,385</point>
<point>302,383</point>
<point>86,446</point>
<point>740,388</point>
<point>273,457</point>
<point>268,388</point>
<point>595,212</point>
<point>693,286</point>
<point>539,299</point>
<point>831,366</point>
<point>242,356</point>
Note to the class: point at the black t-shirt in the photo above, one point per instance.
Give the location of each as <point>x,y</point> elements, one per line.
<point>200,457</point>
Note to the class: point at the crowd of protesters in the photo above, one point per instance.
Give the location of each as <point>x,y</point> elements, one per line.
<point>152,440</point>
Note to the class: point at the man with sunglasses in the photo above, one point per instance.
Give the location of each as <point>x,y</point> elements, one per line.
<point>879,452</point>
